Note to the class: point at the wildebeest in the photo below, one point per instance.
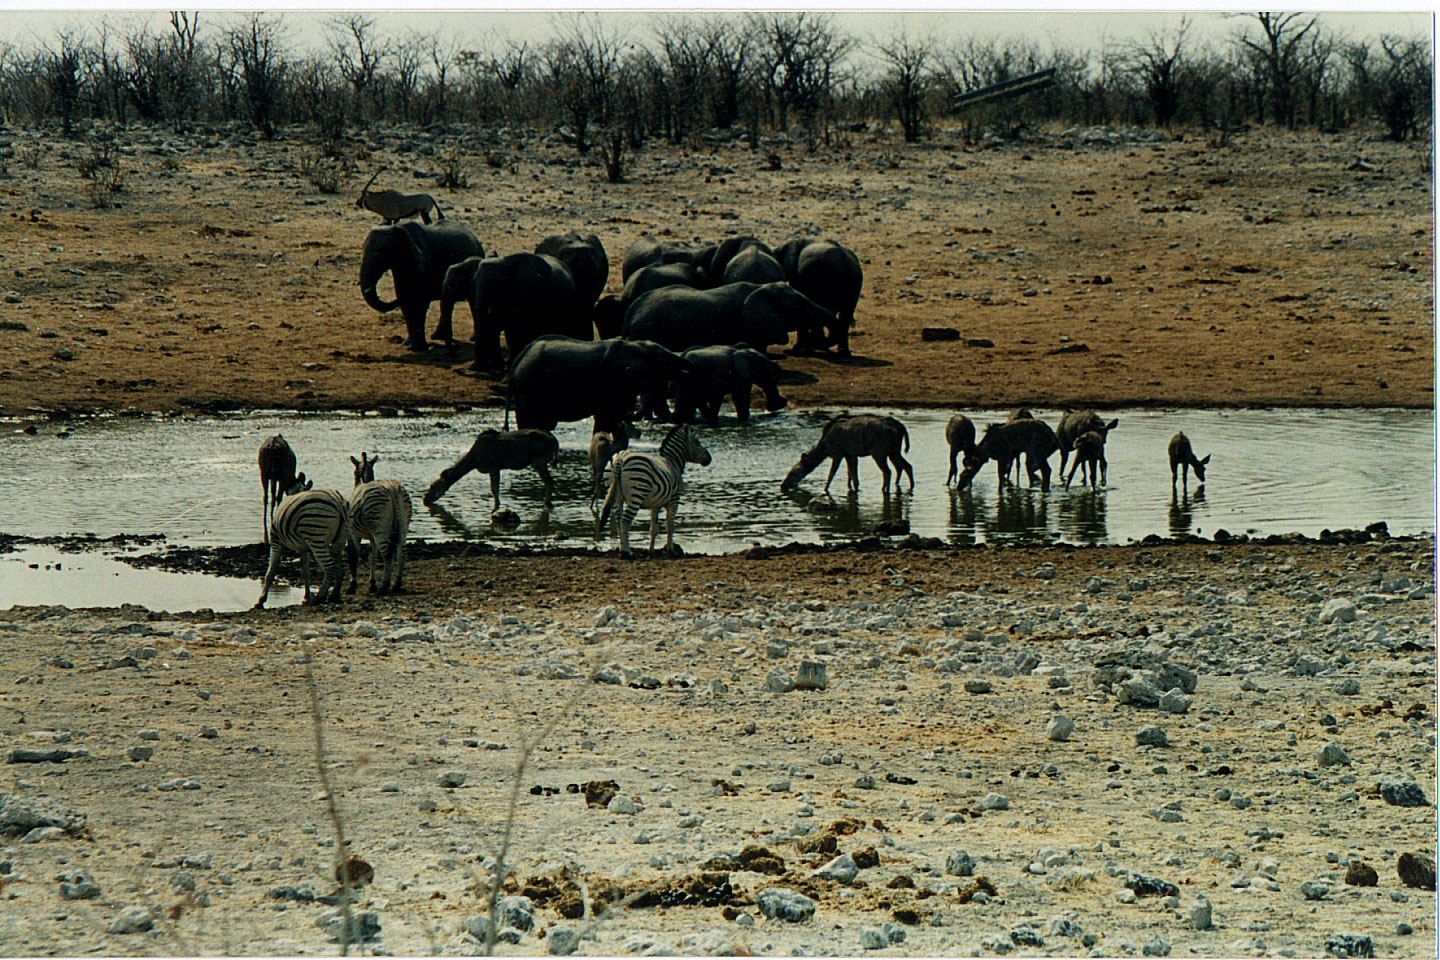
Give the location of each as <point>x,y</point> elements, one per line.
<point>1076,422</point>
<point>849,437</point>
<point>1089,457</point>
<point>960,435</point>
<point>494,451</point>
<point>1182,461</point>
<point>1003,442</point>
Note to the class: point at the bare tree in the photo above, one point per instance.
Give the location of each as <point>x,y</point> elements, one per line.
<point>906,81</point>
<point>257,64</point>
<point>358,55</point>
<point>728,52</point>
<point>1279,52</point>
<point>1158,66</point>
<point>581,66</point>
<point>1395,85</point>
<point>63,64</point>
<point>801,55</point>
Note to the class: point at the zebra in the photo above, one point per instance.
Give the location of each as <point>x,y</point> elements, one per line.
<point>311,522</point>
<point>278,478</point>
<point>641,480</point>
<point>380,512</point>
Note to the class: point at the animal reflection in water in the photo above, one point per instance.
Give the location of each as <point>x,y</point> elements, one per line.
<point>1183,507</point>
<point>845,515</point>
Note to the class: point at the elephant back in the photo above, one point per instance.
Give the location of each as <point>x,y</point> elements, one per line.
<point>680,317</point>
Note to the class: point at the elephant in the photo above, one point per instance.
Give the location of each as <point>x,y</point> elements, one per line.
<point>753,313</point>
<point>753,265</point>
<point>524,295</point>
<point>722,370</point>
<point>648,250</point>
<point>559,378</point>
<point>586,260</point>
<point>417,256</point>
<point>726,250</point>
<point>829,274</point>
<point>610,311</point>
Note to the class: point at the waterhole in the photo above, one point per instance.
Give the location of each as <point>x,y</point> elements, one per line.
<point>195,481</point>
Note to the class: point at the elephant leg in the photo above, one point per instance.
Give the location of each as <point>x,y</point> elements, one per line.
<point>443,331</point>
<point>548,480</point>
<point>415,324</point>
<point>879,459</point>
<point>834,466</point>
<point>840,338</point>
<point>495,490</point>
<point>741,397</point>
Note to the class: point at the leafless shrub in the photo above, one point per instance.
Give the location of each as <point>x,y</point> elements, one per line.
<point>100,155</point>
<point>454,172</point>
<point>29,155</point>
<point>324,173</point>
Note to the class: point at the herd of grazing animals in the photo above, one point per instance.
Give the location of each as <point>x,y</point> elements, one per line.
<point>691,325</point>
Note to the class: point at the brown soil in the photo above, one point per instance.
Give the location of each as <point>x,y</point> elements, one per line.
<point>1280,269</point>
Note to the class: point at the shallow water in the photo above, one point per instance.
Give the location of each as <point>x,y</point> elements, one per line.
<point>1272,471</point>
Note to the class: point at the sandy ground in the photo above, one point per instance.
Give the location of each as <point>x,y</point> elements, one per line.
<point>1277,269</point>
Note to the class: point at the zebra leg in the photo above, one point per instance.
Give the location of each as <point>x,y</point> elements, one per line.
<point>305,563</point>
<point>654,525</point>
<point>670,547</point>
<point>376,545</point>
<point>269,574</point>
<point>624,518</point>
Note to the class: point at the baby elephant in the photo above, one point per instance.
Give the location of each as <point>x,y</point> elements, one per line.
<point>1182,461</point>
<point>849,438</point>
<point>494,451</point>
<point>960,434</point>
<point>1089,454</point>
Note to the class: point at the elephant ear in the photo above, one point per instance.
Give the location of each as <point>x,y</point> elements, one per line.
<point>419,260</point>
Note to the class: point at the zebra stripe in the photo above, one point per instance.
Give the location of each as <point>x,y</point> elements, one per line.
<point>380,512</point>
<point>652,481</point>
<point>313,522</point>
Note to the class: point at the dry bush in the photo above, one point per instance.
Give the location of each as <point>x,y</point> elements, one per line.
<point>325,173</point>
<point>30,155</point>
<point>101,155</point>
<point>454,173</point>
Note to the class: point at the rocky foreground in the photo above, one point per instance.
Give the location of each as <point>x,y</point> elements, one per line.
<point>1148,750</point>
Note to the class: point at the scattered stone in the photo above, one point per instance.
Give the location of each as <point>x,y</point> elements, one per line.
<point>1332,754</point>
<point>959,863</point>
<point>132,920</point>
<point>938,334</point>
<point>842,868</point>
<point>78,886</point>
<point>994,801</point>
<point>1059,728</point>
<point>451,779</point>
<point>778,903</point>
<point>621,804</point>
<point>1338,609</point>
<point>777,681</point>
<point>1025,937</point>
<point>873,938</point>
<point>810,676</point>
<point>1347,945</point>
<point>562,941</point>
<point>1313,890</point>
<point>1151,735</point>
<point>1361,874</point>
<point>977,686</point>
<point>1199,914</point>
<point>1402,793</point>
<point>1416,870</point>
<point>140,754</point>
<point>1144,886</point>
<point>363,925</point>
<point>517,912</point>
<point>1156,947</point>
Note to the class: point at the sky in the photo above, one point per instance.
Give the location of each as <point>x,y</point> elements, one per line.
<point>1066,26</point>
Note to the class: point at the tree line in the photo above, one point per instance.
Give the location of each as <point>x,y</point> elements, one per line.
<point>749,74</point>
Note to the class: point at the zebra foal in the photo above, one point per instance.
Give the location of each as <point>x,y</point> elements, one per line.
<point>312,522</point>
<point>650,481</point>
<point>380,512</point>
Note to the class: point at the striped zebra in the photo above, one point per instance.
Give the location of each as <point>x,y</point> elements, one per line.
<point>380,512</point>
<point>641,480</point>
<point>311,522</point>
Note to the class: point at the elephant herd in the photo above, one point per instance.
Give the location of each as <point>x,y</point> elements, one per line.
<point>691,324</point>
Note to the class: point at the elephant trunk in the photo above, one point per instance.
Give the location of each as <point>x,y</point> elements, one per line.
<point>372,268</point>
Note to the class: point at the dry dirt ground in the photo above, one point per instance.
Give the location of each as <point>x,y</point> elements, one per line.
<point>1277,269</point>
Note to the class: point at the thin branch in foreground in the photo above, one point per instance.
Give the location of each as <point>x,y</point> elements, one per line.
<point>342,863</point>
